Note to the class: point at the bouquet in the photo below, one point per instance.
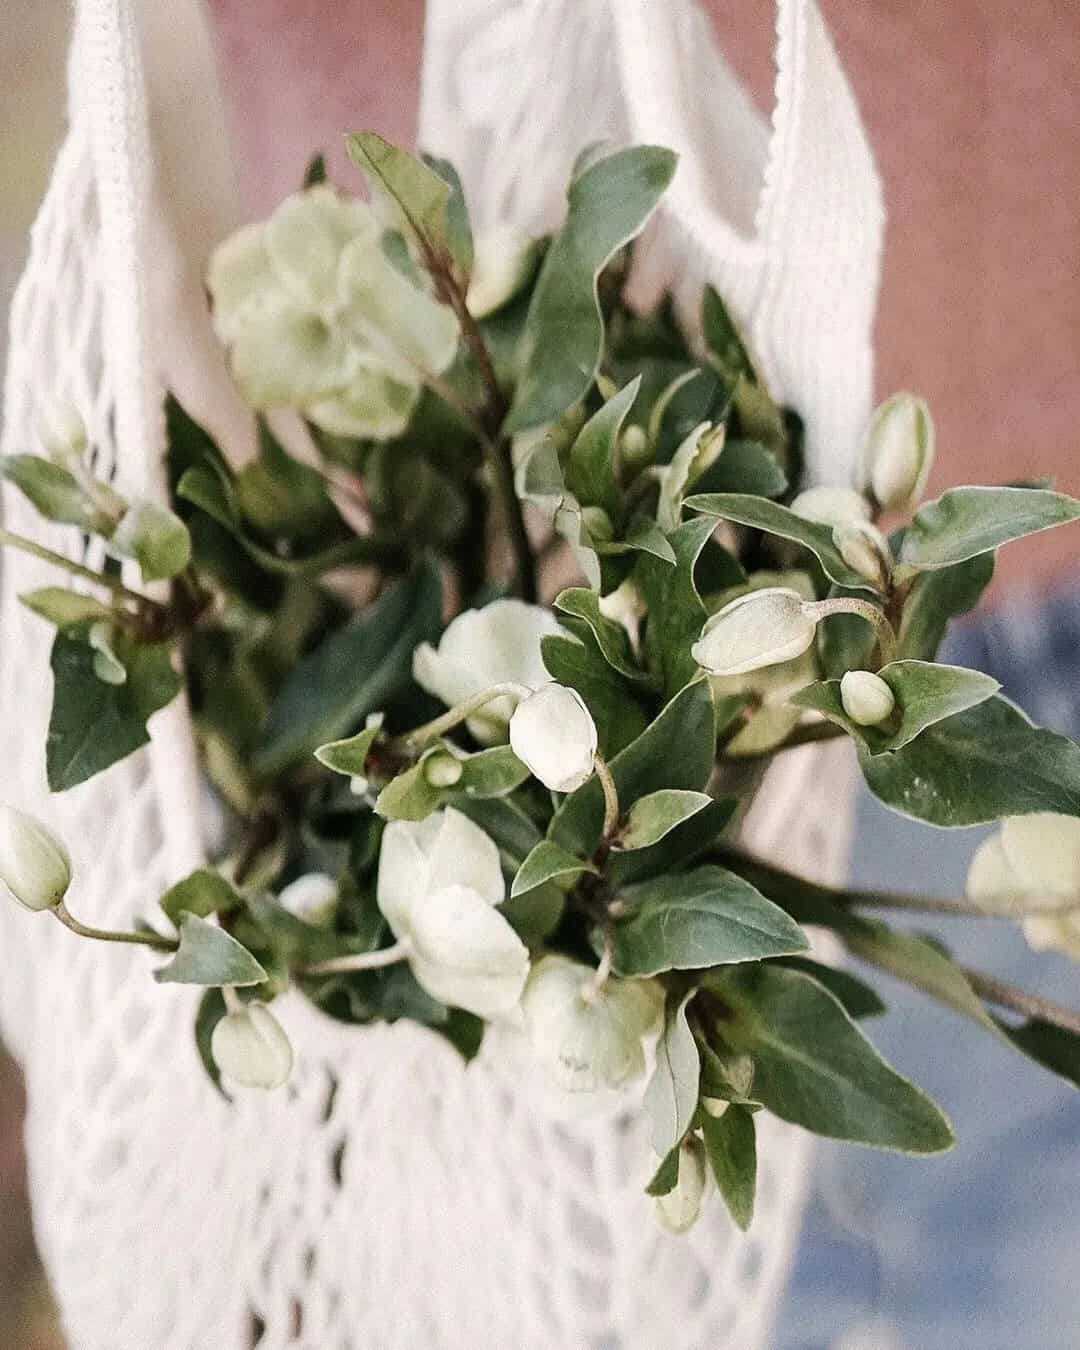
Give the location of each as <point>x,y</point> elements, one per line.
<point>488,650</point>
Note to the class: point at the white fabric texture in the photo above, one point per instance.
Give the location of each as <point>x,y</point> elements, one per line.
<point>389,1199</point>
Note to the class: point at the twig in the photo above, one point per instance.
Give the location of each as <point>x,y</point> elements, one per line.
<point>78,570</point>
<point>1017,1000</point>
<point>109,935</point>
<point>345,965</point>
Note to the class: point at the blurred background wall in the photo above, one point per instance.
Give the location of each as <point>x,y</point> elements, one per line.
<point>974,111</point>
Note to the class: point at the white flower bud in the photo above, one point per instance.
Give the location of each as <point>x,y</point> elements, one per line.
<point>481,647</point>
<point>108,667</point>
<point>588,1040</point>
<point>626,606</point>
<point>62,433</point>
<point>442,771</point>
<point>900,451</point>
<point>250,1047</point>
<point>714,1106</point>
<point>553,734</point>
<point>680,1209</point>
<point>34,864</point>
<point>312,897</point>
<point>867,699</point>
<point>504,258</point>
<point>832,506</point>
<point>763,628</point>
<point>634,448</point>
<point>1033,864</point>
<point>866,551</point>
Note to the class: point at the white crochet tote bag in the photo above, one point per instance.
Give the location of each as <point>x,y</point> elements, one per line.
<point>390,1199</point>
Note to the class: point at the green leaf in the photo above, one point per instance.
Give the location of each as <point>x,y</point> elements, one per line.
<point>281,497</point>
<point>465,1032</point>
<point>815,1068</point>
<point>731,1145</point>
<point>780,521</point>
<point>675,610</point>
<point>978,766</point>
<point>857,998</point>
<point>353,672</point>
<point>156,538</point>
<point>925,695</point>
<point>484,775</point>
<point>666,1177</point>
<point>609,202</point>
<point>94,724</point>
<point>64,608</point>
<point>671,1097</point>
<point>202,893</point>
<point>548,862</point>
<point>745,467</point>
<point>644,535</point>
<point>1052,1047</point>
<point>706,917</point>
<point>210,956</point>
<point>591,462</point>
<point>419,192</point>
<point>611,637</point>
<point>211,1010</point>
<point>54,493</point>
<point>349,756</point>
<point>935,598</point>
<point>619,718</point>
<point>722,338</point>
<point>967,521</point>
<point>653,817</point>
<point>458,230</point>
<point>677,849</point>
<point>675,751</point>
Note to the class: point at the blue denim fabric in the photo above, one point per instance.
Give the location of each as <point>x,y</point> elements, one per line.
<point>979,1249</point>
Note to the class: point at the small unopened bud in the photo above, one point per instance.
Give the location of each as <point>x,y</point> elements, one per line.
<point>108,667</point>
<point>763,628</point>
<point>442,771</point>
<point>312,897</point>
<point>250,1047</point>
<point>503,261</point>
<point>597,521</point>
<point>62,433</point>
<point>34,864</point>
<point>832,506</point>
<point>634,449</point>
<point>866,551</point>
<point>867,699</point>
<point>552,732</point>
<point>606,385</point>
<point>900,451</point>
<point>714,1106</point>
<point>680,1209</point>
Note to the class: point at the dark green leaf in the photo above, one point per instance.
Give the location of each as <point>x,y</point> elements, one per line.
<point>935,598</point>
<point>857,998</point>
<point>653,817</point>
<point>675,751</point>
<point>611,637</point>
<point>666,1177</point>
<point>671,1097</point>
<point>609,202</point>
<point>591,463</point>
<point>707,917</point>
<point>675,610</point>
<point>925,695</point>
<point>548,862</point>
<point>978,766</point>
<point>683,845</point>
<point>281,497</point>
<point>967,521</point>
<point>353,672</point>
<point>745,467</point>
<point>210,956</point>
<point>722,338</point>
<point>458,231</point>
<point>211,1011</point>
<point>779,520</point>
<point>815,1068</point>
<point>465,1032</point>
<point>202,893</point>
<point>94,724</point>
<point>1052,1047</point>
<point>731,1145</point>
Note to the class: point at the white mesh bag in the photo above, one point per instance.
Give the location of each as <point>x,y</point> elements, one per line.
<point>389,1199</point>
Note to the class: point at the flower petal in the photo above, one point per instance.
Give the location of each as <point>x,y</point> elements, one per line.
<point>305,238</point>
<point>463,855</point>
<point>1044,849</point>
<point>465,953</point>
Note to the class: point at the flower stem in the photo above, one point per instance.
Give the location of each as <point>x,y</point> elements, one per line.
<point>821,609</point>
<point>344,965</point>
<point>65,916</point>
<point>1020,1001</point>
<point>594,986</point>
<point>611,797</point>
<point>460,712</point>
<point>117,587</point>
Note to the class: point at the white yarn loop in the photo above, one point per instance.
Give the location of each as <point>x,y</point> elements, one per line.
<point>388,1198</point>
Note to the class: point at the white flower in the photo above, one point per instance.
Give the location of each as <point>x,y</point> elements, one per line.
<point>586,1041</point>
<point>554,736</point>
<point>282,303</point>
<point>250,1047</point>
<point>867,699</point>
<point>763,628</point>
<point>504,258</point>
<point>482,647</point>
<point>312,897</point>
<point>34,864</point>
<point>438,887</point>
<point>680,1209</point>
<point>1033,863</point>
<point>866,551</point>
<point>832,506</point>
<point>900,451</point>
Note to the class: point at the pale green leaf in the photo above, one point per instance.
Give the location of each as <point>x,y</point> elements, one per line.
<point>591,462</point>
<point>967,521</point>
<point>348,756</point>
<point>654,816</point>
<point>419,192</point>
<point>935,598</point>
<point>671,1096</point>
<point>548,862</point>
<point>64,608</point>
<point>203,893</point>
<point>208,955</point>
